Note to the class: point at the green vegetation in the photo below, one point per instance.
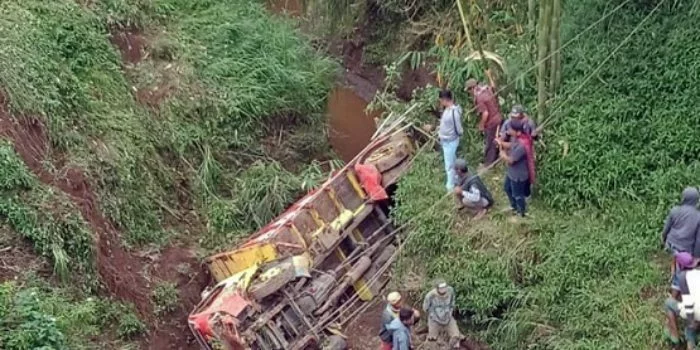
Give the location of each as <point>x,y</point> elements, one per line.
<point>35,315</point>
<point>206,119</point>
<point>586,272</point>
<point>45,217</point>
<point>165,298</point>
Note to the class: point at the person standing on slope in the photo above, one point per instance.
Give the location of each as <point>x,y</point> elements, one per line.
<point>685,303</point>
<point>486,103</point>
<point>682,224</point>
<point>449,133</point>
<point>439,305</point>
<point>518,113</point>
<point>391,312</point>
<point>519,174</point>
<point>400,329</point>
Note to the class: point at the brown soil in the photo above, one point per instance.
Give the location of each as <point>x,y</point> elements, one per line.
<point>125,274</point>
<point>130,43</point>
<point>17,257</point>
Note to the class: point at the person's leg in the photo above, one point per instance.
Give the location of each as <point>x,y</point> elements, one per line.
<point>691,335</point>
<point>519,191</point>
<point>490,147</point>
<point>671,311</point>
<point>449,152</point>
<point>480,207</point>
<point>454,333</point>
<point>508,189</point>
<point>433,330</point>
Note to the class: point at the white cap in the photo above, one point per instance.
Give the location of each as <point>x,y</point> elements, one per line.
<point>442,285</point>
<point>393,298</point>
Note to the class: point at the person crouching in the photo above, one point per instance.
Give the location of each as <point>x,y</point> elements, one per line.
<point>470,191</point>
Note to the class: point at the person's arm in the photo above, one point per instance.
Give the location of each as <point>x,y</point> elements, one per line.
<point>484,118</point>
<point>457,120</point>
<point>472,195</point>
<point>426,303</point>
<point>516,154</point>
<point>667,227</point>
<point>452,300</point>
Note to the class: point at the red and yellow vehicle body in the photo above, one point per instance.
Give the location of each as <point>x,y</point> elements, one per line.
<point>282,288</point>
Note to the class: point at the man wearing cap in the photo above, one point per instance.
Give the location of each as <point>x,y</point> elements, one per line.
<point>470,191</point>
<point>390,313</point>
<point>439,305</point>
<point>519,171</point>
<point>687,283</point>
<point>517,113</point>
<point>486,103</point>
<point>449,133</point>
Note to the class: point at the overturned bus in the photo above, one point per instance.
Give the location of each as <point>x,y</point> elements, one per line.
<point>297,281</point>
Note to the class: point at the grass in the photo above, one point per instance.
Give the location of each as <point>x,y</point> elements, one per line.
<point>238,70</point>
<point>567,281</point>
<point>34,314</point>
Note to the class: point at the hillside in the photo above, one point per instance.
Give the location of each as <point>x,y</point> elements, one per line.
<point>138,136</point>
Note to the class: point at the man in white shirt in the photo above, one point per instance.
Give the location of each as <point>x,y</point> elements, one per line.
<point>687,281</point>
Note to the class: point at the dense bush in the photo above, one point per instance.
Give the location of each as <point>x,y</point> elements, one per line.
<point>36,316</point>
<point>630,130</point>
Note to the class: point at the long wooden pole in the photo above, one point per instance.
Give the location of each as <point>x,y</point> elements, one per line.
<point>542,50</point>
<point>470,44</point>
<point>555,66</point>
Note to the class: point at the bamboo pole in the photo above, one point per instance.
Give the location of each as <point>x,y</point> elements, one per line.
<point>531,7</point>
<point>470,44</point>
<point>555,70</point>
<point>542,51</point>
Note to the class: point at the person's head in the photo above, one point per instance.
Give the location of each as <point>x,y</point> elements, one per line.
<point>517,112</point>
<point>441,287</point>
<point>690,196</point>
<point>445,97</point>
<point>461,167</point>
<point>685,260</point>
<point>470,86</point>
<point>516,127</point>
<point>394,299</point>
<point>406,316</point>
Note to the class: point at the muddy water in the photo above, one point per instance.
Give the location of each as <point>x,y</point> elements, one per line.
<point>350,126</point>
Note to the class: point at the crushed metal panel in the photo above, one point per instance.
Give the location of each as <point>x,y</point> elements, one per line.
<point>346,194</point>
<point>228,264</point>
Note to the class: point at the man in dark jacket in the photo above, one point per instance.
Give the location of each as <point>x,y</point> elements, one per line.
<point>682,224</point>
<point>470,191</point>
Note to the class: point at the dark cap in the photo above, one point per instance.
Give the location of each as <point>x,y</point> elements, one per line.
<point>517,110</point>
<point>461,165</point>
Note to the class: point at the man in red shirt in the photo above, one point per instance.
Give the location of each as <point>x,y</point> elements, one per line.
<point>486,103</point>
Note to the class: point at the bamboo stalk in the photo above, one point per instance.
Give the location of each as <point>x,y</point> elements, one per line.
<point>555,77</point>
<point>542,51</point>
<point>531,7</point>
<point>465,25</point>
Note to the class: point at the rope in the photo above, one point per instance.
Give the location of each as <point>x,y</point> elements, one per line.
<point>324,323</point>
